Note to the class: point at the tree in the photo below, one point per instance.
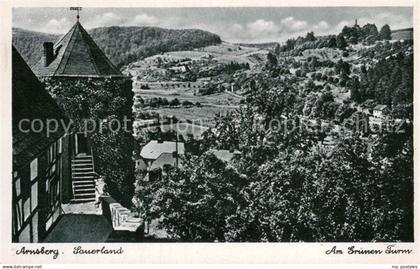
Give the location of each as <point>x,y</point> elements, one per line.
<point>271,60</point>
<point>385,32</point>
<point>196,202</point>
<point>341,42</point>
<point>310,36</point>
<point>277,49</point>
<point>174,102</point>
<point>332,42</point>
<point>369,30</point>
<point>283,188</point>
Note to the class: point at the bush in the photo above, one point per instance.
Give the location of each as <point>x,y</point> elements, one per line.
<point>186,103</point>
<point>174,102</point>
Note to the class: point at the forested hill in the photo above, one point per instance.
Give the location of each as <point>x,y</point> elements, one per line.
<point>122,45</point>
<point>29,43</point>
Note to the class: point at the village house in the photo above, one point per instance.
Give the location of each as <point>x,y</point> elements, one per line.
<point>379,116</point>
<point>378,111</point>
<point>159,153</point>
<point>37,156</point>
<point>225,155</point>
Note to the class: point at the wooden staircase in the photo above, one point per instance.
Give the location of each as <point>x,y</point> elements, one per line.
<point>83,178</point>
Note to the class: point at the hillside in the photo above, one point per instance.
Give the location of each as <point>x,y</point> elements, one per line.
<point>122,45</point>
<point>29,43</point>
<point>402,34</point>
<point>267,45</point>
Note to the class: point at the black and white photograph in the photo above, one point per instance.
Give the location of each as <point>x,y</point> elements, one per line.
<point>212,125</point>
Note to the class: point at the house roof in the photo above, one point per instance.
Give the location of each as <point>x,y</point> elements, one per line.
<point>379,107</point>
<point>31,101</point>
<point>77,55</point>
<point>154,149</point>
<point>224,155</point>
<point>164,158</point>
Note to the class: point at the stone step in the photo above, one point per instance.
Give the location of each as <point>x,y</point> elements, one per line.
<point>83,157</point>
<point>83,185</point>
<point>84,173</point>
<point>83,178</point>
<point>84,195</point>
<point>78,191</point>
<point>80,169</point>
<point>81,162</point>
<point>82,200</point>
<point>82,166</point>
<point>80,157</point>
<point>83,182</point>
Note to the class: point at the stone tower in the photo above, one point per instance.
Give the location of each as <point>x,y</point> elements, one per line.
<point>97,97</point>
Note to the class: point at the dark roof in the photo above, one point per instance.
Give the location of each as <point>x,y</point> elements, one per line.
<point>31,101</point>
<point>77,55</point>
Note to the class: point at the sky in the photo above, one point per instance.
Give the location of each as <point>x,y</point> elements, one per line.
<point>233,24</point>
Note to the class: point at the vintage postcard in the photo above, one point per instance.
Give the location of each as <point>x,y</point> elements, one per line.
<point>215,131</point>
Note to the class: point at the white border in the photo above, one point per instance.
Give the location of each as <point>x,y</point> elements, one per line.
<point>183,252</point>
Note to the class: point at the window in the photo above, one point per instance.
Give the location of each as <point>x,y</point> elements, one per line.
<point>52,153</point>
<point>34,195</point>
<point>18,210</point>
<point>25,235</point>
<point>58,189</point>
<point>34,168</point>
<point>48,224</point>
<point>60,145</point>
<point>27,208</point>
<point>35,228</point>
<point>17,187</point>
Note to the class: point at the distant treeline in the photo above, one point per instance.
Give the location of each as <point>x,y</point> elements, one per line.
<point>122,45</point>
<point>366,34</point>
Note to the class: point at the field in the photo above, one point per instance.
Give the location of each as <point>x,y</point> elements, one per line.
<point>218,99</point>
<point>210,105</point>
<point>223,53</point>
<point>199,115</point>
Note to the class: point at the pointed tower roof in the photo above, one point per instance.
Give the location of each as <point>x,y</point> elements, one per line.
<point>76,55</point>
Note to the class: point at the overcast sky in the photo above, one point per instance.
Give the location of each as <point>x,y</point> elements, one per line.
<point>232,24</point>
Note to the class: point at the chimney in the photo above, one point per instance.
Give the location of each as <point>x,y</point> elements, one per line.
<point>48,53</point>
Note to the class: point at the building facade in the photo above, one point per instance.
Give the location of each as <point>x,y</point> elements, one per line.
<point>37,156</point>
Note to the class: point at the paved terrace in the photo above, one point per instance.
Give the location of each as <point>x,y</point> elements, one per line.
<point>80,228</point>
<point>87,222</point>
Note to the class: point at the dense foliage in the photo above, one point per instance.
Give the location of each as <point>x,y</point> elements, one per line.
<point>122,45</point>
<point>283,186</point>
<point>30,44</point>
<point>389,82</point>
<point>90,102</point>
